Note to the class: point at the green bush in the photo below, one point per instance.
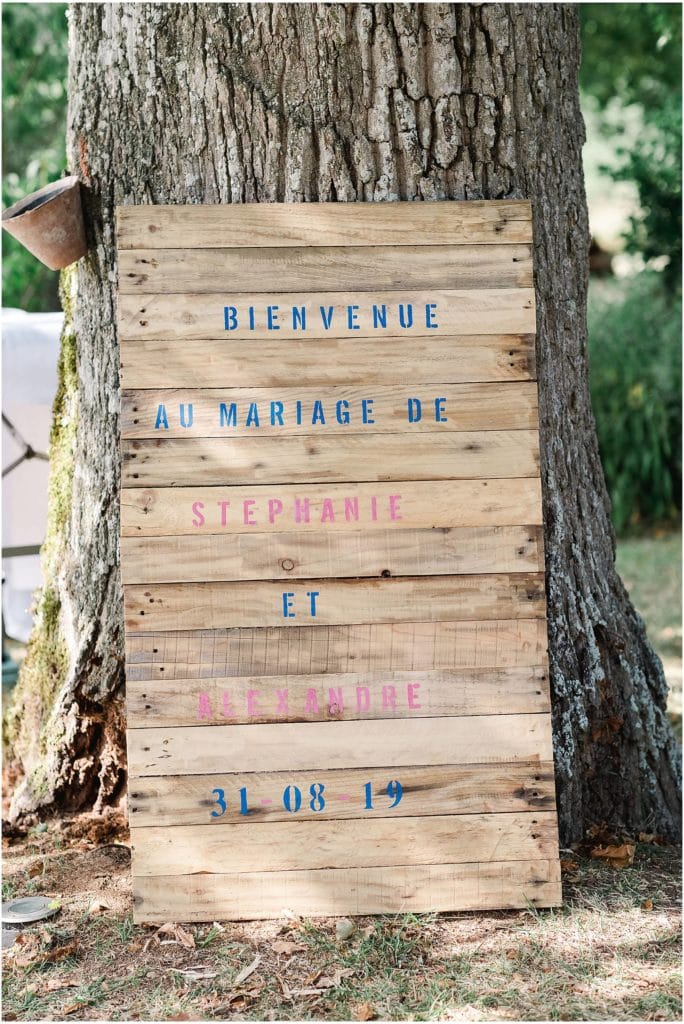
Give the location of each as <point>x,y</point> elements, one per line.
<point>635,378</point>
<point>34,68</point>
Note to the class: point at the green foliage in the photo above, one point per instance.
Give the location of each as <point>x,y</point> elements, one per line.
<point>632,54</point>
<point>34,71</point>
<point>632,51</point>
<point>635,378</point>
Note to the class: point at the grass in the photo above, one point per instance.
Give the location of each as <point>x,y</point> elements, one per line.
<point>611,952</point>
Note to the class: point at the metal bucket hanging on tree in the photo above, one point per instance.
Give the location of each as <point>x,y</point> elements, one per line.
<point>49,223</point>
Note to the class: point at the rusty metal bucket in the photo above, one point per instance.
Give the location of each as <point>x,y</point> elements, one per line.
<point>49,223</point>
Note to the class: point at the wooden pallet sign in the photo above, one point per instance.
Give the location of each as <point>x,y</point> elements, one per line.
<point>333,564</point>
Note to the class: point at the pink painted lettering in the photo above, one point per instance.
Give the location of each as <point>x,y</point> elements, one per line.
<point>311,706</point>
<point>224,505</point>
<point>389,697</point>
<point>302,510</point>
<point>204,706</point>
<point>253,702</point>
<point>413,702</point>
<point>247,514</point>
<point>198,518</point>
<point>362,698</point>
<point>275,508</point>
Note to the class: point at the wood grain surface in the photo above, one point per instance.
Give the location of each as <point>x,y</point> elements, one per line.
<point>441,789</point>
<point>476,739</point>
<point>211,363</point>
<point>333,560</point>
<point>181,316</point>
<point>431,888</point>
<point>330,508</point>
<point>249,225</point>
<point>324,268</point>
<point>247,412</point>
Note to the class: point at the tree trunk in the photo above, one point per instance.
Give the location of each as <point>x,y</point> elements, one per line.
<point>214,103</point>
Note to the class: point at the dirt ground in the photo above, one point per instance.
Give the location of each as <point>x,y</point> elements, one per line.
<point>612,952</point>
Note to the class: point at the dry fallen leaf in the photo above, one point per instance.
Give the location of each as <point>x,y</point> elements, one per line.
<point>246,971</point>
<point>178,936</point>
<point>364,1011</point>
<point>569,865</point>
<point>56,984</point>
<point>286,947</point>
<point>98,907</point>
<point>620,856</point>
<point>72,1008</point>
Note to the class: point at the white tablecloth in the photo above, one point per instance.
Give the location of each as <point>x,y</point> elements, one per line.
<point>30,350</point>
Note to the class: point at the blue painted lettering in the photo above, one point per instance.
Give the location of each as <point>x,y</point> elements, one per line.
<point>317,415</point>
<point>430,312</point>
<point>299,318</point>
<point>228,414</point>
<point>353,318</point>
<point>367,410</point>
<point>342,411</point>
<point>379,316</point>
<point>162,419</point>
<point>406,315</point>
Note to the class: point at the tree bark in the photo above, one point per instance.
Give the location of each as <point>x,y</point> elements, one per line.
<point>214,103</point>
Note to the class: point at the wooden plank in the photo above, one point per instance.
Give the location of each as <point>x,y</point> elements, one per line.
<point>362,842</point>
<point>333,697</point>
<point>205,750</point>
<point>467,454</point>
<point>181,316</point>
<point>444,789</point>
<point>206,363</point>
<point>348,891</point>
<point>162,606</point>
<point>324,268</point>
<point>245,225</point>
<point>247,412</point>
<point>304,650</point>
<point>330,508</point>
<point>287,556</point>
